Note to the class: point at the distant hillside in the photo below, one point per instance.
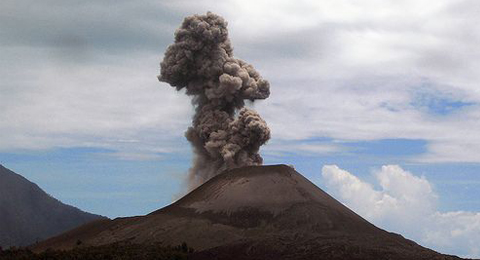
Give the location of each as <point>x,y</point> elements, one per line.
<point>28,214</point>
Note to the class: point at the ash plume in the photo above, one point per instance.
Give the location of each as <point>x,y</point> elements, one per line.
<point>224,134</point>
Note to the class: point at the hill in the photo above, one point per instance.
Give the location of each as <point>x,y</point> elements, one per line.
<point>256,212</point>
<point>28,214</point>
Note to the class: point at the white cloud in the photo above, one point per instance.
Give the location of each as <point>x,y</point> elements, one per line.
<point>119,105</point>
<point>406,204</point>
<point>83,77</point>
<point>361,78</point>
<point>339,69</point>
<point>282,149</point>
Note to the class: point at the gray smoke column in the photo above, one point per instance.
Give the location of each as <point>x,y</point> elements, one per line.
<point>224,134</point>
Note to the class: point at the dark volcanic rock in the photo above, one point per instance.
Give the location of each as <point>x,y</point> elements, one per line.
<point>257,212</point>
<point>28,214</point>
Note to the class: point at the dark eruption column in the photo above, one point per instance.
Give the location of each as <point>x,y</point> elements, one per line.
<point>224,134</point>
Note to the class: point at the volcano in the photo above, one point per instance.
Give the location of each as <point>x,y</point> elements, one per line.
<point>254,212</point>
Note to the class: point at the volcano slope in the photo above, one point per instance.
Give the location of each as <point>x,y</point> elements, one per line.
<point>255,212</point>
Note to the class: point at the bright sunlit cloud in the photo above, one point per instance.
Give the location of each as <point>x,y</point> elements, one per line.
<point>402,202</point>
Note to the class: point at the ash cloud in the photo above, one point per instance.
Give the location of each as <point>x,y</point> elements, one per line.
<point>224,134</point>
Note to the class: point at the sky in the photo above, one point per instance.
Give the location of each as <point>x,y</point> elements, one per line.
<point>376,102</point>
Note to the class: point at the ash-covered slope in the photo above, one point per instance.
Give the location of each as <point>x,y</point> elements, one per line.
<point>255,212</point>
<point>275,195</point>
<point>28,214</point>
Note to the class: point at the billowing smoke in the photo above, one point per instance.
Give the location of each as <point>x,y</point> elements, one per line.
<point>224,134</point>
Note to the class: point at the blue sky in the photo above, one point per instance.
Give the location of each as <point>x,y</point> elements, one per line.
<point>92,180</point>
<point>356,85</point>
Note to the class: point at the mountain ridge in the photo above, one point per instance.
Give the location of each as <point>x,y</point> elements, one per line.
<point>28,214</point>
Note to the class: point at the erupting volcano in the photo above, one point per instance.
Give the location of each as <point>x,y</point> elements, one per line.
<point>238,209</point>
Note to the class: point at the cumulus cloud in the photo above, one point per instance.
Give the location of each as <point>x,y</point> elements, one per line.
<point>407,204</point>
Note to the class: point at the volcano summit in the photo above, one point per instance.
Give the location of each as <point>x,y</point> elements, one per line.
<point>254,212</point>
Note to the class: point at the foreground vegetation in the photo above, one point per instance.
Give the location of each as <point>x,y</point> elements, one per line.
<point>116,251</point>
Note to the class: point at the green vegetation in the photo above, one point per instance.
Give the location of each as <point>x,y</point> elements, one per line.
<point>115,251</point>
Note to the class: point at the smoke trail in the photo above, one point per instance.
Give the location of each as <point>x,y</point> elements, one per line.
<point>224,134</point>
